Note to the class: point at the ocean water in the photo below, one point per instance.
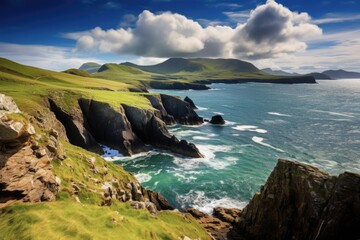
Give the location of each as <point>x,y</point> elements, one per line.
<point>317,124</point>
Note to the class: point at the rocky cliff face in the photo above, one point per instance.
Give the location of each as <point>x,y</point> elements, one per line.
<point>92,122</point>
<point>182,111</point>
<point>299,201</point>
<point>76,127</point>
<point>25,169</point>
<point>153,130</point>
<point>111,127</point>
<point>155,101</point>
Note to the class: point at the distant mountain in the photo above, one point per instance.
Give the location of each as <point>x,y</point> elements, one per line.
<point>278,72</point>
<point>90,67</point>
<point>119,68</point>
<point>320,76</point>
<point>177,65</point>
<point>339,74</point>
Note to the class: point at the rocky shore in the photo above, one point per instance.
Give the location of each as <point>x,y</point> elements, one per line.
<point>298,201</point>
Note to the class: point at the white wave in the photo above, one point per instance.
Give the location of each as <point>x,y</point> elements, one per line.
<point>277,121</point>
<point>109,152</point>
<point>249,128</point>
<point>349,115</point>
<point>158,172</point>
<point>229,123</point>
<point>260,140</point>
<point>208,160</point>
<point>201,108</point>
<point>218,113</point>
<point>142,177</point>
<point>187,133</point>
<point>214,89</point>
<point>201,138</point>
<point>279,114</point>
<point>198,200</point>
<point>235,134</point>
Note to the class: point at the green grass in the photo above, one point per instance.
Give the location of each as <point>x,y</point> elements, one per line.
<point>68,220</point>
<point>31,86</point>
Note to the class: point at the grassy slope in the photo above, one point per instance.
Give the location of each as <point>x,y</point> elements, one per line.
<point>28,85</point>
<point>65,218</point>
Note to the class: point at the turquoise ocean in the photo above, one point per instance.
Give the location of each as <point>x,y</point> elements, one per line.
<point>312,123</point>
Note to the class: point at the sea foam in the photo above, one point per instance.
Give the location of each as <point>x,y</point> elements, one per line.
<point>198,200</point>
<point>260,141</point>
<point>249,128</point>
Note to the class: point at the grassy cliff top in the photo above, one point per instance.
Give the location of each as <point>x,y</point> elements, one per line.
<point>29,86</point>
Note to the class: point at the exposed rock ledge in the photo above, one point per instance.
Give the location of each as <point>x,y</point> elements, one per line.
<point>298,201</point>
<point>25,169</point>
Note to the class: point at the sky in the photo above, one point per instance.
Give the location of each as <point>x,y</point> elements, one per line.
<point>297,36</point>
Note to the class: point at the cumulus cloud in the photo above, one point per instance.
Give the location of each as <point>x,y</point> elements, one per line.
<point>270,30</point>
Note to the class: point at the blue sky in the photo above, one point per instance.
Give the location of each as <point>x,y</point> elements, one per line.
<point>60,34</point>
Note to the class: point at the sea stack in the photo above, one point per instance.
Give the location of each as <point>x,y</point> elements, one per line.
<point>217,119</point>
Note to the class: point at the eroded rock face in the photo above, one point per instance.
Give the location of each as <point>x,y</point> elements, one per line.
<point>155,101</point>
<point>219,226</point>
<point>190,101</point>
<point>25,169</point>
<point>151,129</point>
<point>110,126</point>
<point>181,110</point>
<point>76,127</point>
<point>299,201</point>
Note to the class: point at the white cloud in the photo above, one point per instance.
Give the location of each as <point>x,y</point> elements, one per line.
<point>336,18</point>
<point>48,57</point>
<point>173,35</point>
<point>339,54</point>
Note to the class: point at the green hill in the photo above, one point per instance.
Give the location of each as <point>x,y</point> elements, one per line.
<point>77,72</point>
<point>90,67</point>
<point>197,65</point>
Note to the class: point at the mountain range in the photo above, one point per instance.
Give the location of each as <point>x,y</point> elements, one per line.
<point>326,75</point>
<point>200,68</point>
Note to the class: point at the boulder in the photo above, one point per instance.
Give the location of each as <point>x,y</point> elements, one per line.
<point>191,102</point>
<point>217,119</point>
<point>8,105</point>
<point>181,110</point>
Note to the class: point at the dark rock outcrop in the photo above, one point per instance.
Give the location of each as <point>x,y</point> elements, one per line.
<point>76,127</point>
<point>155,101</point>
<point>177,86</point>
<point>111,127</point>
<point>190,101</point>
<point>151,129</point>
<point>181,110</point>
<point>217,119</point>
<point>299,201</point>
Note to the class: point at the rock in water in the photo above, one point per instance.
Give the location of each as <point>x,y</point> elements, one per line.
<point>217,119</point>
<point>299,201</point>
<point>191,102</point>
